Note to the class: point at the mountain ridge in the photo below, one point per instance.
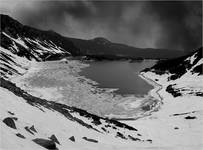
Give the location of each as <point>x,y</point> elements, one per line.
<point>98,47</point>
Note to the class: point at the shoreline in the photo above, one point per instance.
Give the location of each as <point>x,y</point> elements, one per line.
<point>157,87</point>
<point>154,93</point>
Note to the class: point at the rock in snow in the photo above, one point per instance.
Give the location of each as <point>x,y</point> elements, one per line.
<point>9,121</point>
<point>54,139</point>
<point>72,138</point>
<point>49,144</point>
<point>90,140</point>
<point>20,135</point>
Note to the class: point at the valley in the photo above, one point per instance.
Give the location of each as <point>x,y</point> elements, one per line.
<point>50,100</point>
<point>61,81</point>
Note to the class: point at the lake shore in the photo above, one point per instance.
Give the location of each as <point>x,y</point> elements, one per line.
<point>152,93</point>
<point>39,75</point>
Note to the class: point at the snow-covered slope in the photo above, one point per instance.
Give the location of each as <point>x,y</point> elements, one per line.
<point>26,118</point>
<point>33,43</point>
<point>178,122</point>
<point>28,122</point>
<point>181,76</point>
<point>11,64</point>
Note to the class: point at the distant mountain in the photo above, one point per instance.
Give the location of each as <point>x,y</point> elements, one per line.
<point>103,48</point>
<point>49,45</point>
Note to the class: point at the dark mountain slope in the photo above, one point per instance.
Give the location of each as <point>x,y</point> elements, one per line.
<point>181,76</point>
<point>100,47</point>
<point>33,39</point>
<point>27,41</point>
<point>179,66</point>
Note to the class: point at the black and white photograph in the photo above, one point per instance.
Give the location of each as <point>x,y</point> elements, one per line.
<point>101,75</point>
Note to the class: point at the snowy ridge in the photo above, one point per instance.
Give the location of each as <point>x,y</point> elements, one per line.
<point>11,64</point>
<point>33,43</point>
<point>38,50</point>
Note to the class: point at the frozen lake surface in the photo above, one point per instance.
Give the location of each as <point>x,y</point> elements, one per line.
<point>91,86</point>
<point>121,75</point>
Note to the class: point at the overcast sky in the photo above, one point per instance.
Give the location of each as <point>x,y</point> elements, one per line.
<point>146,24</point>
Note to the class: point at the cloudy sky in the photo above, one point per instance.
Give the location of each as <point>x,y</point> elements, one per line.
<point>145,24</point>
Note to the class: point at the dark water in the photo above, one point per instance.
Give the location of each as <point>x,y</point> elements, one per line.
<point>119,74</point>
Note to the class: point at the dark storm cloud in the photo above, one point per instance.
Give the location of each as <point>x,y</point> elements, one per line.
<point>181,23</point>
<point>156,24</point>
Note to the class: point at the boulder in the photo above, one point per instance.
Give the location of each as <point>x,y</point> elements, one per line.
<point>54,139</point>
<point>33,128</point>
<point>72,138</point>
<point>11,113</point>
<point>20,135</point>
<point>90,140</point>
<point>49,144</point>
<point>149,140</point>
<point>9,121</point>
<point>190,117</point>
<point>133,138</point>
<point>28,130</point>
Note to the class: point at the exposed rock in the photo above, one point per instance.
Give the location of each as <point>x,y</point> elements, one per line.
<point>149,140</point>
<point>146,107</point>
<point>90,140</point>
<point>199,94</point>
<point>64,109</point>
<point>33,128</point>
<point>178,114</point>
<point>11,113</point>
<point>190,117</point>
<point>54,139</point>
<point>120,135</point>
<point>28,130</point>
<point>9,121</point>
<point>133,139</point>
<point>72,138</point>
<point>14,118</point>
<point>174,92</point>
<point>176,128</point>
<point>20,135</point>
<point>49,144</point>
<point>96,121</point>
<point>103,129</point>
